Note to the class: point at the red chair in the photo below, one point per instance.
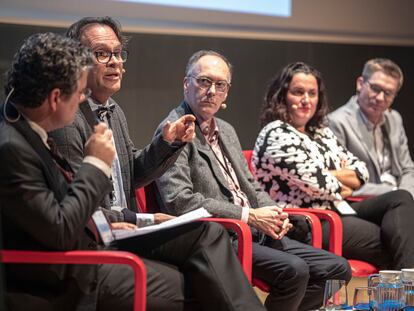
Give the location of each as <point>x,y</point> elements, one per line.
<point>86,257</point>
<point>359,268</point>
<point>147,201</point>
<point>146,198</point>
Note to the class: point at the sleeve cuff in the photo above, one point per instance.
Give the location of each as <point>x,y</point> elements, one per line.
<point>105,168</point>
<point>144,219</point>
<point>245,214</point>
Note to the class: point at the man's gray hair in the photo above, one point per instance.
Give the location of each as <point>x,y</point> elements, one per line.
<point>385,65</point>
<point>197,55</point>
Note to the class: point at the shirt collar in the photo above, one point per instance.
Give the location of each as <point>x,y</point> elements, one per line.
<point>95,105</point>
<point>370,126</point>
<point>210,131</point>
<point>38,130</point>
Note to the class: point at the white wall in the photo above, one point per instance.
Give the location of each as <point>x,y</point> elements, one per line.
<point>347,21</point>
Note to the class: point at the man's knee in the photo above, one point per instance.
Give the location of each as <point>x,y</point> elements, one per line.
<point>296,271</point>
<point>213,230</point>
<point>344,269</point>
<point>335,267</point>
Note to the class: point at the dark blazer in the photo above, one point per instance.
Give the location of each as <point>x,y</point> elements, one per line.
<point>195,180</point>
<point>347,124</point>
<point>138,167</point>
<point>39,211</point>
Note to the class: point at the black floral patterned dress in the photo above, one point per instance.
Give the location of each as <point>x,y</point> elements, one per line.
<point>294,168</point>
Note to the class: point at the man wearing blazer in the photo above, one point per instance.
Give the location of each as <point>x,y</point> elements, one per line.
<point>374,132</point>
<point>211,172</point>
<point>45,206</point>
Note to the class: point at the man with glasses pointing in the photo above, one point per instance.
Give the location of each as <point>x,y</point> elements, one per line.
<point>182,271</point>
<point>374,132</point>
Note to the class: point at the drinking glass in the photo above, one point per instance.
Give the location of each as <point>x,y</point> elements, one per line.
<point>408,281</point>
<point>364,299</point>
<point>335,295</point>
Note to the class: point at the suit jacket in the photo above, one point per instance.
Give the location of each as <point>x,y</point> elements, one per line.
<point>138,167</point>
<point>195,180</point>
<point>347,124</point>
<point>39,211</point>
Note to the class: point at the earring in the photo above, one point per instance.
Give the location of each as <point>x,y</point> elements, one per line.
<point>223,106</point>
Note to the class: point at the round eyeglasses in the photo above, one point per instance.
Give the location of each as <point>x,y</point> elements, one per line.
<point>205,83</point>
<point>105,57</point>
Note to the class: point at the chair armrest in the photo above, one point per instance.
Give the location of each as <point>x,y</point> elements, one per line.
<point>358,198</point>
<point>313,220</point>
<point>335,228</point>
<point>86,257</point>
<point>244,241</point>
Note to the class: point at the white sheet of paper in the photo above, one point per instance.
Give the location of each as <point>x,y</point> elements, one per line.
<point>344,208</point>
<point>183,219</point>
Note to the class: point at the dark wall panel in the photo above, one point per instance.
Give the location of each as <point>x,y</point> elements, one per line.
<point>153,83</point>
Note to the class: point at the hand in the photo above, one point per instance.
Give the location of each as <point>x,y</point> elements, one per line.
<point>182,130</point>
<point>123,226</point>
<point>346,191</point>
<point>160,217</point>
<point>271,220</point>
<point>285,228</point>
<point>100,144</point>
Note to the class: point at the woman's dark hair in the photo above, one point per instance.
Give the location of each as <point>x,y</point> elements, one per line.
<point>275,106</point>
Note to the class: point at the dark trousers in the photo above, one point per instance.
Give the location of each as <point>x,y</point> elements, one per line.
<point>192,267</point>
<point>382,233</point>
<point>296,273</point>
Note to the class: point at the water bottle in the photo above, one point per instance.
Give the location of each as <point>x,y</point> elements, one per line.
<point>390,290</point>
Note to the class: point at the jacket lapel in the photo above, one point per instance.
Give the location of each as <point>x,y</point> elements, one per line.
<point>53,176</point>
<point>395,165</point>
<point>204,148</point>
<point>206,153</point>
<point>361,132</point>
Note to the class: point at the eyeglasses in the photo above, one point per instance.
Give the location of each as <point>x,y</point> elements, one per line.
<point>104,57</point>
<point>376,89</point>
<point>205,83</point>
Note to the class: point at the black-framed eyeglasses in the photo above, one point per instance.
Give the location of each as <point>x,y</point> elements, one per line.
<point>104,57</point>
<point>205,83</point>
<point>376,89</point>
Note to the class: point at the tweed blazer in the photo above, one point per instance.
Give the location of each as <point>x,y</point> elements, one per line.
<point>347,124</point>
<point>196,180</point>
<point>138,167</point>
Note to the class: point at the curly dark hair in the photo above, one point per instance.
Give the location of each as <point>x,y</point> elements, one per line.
<point>275,107</point>
<point>44,62</point>
<point>75,30</point>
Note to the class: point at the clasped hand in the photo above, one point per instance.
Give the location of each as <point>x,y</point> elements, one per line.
<point>271,220</point>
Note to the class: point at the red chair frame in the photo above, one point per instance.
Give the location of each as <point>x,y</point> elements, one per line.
<point>146,198</point>
<point>86,257</point>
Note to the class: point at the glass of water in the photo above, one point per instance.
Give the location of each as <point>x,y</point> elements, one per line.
<point>335,295</point>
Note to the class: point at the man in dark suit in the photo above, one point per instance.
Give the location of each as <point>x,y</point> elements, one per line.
<point>368,127</point>
<point>212,172</point>
<point>45,206</point>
